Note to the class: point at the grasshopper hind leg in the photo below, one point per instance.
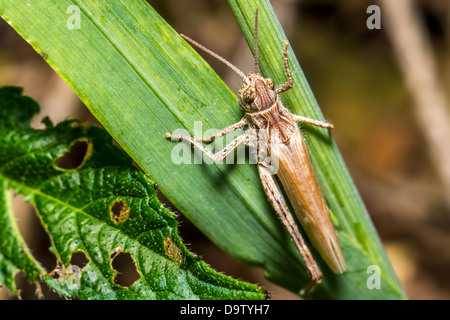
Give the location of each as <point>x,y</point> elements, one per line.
<point>276,199</point>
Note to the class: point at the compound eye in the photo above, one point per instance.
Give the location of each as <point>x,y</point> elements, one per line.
<point>270,84</point>
<point>249,96</point>
<point>248,99</point>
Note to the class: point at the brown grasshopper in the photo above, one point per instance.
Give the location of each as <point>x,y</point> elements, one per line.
<point>279,141</point>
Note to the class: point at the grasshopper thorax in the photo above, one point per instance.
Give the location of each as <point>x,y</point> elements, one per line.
<point>256,93</point>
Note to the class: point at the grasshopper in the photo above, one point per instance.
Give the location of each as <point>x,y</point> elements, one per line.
<point>281,149</point>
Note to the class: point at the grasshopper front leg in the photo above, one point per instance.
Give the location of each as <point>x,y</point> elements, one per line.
<point>315,122</point>
<point>219,156</point>
<point>225,131</point>
<point>289,84</point>
<point>276,199</point>
<point>216,157</point>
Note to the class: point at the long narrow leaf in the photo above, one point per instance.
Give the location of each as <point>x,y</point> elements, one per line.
<point>362,246</point>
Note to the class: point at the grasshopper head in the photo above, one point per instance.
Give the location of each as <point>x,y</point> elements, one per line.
<point>256,93</point>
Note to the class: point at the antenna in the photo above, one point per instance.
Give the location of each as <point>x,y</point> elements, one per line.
<point>255,48</point>
<point>215,55</point>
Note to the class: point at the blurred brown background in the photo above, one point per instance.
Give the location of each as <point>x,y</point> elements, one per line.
<point>394,142</point>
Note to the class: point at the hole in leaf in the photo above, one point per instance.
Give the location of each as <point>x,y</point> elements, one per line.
<point>38,242</point>
<point>120,211</point>
<point>79,259</point>
<point>26,289</point>
<point>75,156</point>
<point>58,271</point>
<point>33,233</point>
<point>72,272</point>
<point>29,290</point>
<point>124,265</point>
<point>173,250</point>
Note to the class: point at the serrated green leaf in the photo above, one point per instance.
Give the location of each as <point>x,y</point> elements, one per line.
<point>75,207</point>
<point>14,254</point>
